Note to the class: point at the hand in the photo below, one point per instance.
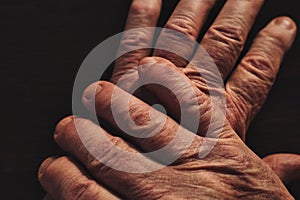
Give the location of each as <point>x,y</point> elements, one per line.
<point>131,61</point>
<point>246,86</point>
<point>231,170</point>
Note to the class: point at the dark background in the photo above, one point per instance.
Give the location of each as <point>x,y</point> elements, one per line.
<point>43,43</point>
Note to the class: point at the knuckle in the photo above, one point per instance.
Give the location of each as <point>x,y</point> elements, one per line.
<point>184,24</point>
<point>83,190</point>
<point>106,153</point>
<point>202,73</point>
<point>177,60</point>
<point>99,169</point>
<point>139,114</point>
<point>229,34</point>
<point>144,10</point>
<point>228,31</point>
<point>116,141</point>
<point>228,39</point>
<point>134,39</point>
<point>261,67</point>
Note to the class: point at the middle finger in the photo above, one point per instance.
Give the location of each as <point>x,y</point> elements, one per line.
<point>188,19</point>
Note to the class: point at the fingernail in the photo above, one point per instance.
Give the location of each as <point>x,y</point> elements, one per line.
<point>89,95</point>
<point>46,164</point>
<point>285,22</point>
<point>61,125</point>
<point>148,61</point>
<point>91,91</point>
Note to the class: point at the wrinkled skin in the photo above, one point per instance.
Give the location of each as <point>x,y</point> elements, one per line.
<point>231,170</point>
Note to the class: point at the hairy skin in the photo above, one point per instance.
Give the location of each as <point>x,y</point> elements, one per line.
<point>231,170</point>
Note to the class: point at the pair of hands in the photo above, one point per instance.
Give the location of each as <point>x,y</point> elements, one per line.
<point>231,170</point>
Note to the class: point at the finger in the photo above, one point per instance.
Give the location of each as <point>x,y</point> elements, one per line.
<point>109,159</point>
<point>286,166</point>
<point>62,178</point>
<point>225,39</point>
<point>251,82</point>
<point>188,18</point>
<point>181,98</point>
<point>135,120</point>
<point>142,14</point>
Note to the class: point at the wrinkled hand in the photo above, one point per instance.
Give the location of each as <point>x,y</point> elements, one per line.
<point>231,169</point>
<point>246,86</point>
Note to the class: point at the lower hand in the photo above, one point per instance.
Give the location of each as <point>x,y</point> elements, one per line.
<point>231,170</point>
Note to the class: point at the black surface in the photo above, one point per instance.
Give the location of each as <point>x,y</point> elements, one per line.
<point>42,46</point>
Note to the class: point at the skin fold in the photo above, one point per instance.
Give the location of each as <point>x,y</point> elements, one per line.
<point>231,170</point>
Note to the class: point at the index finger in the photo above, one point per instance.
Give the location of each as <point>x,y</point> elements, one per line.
<point>143,13</point>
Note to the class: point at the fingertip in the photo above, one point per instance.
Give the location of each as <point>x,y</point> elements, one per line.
<point>284,29</point>
<point>62,124</point>
<point>91,91</point>
<point>89,95</point>
<point>44,166</point>
<point>285,22</point>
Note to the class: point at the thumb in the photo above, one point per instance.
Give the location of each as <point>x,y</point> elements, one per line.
<point>286,166</point>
